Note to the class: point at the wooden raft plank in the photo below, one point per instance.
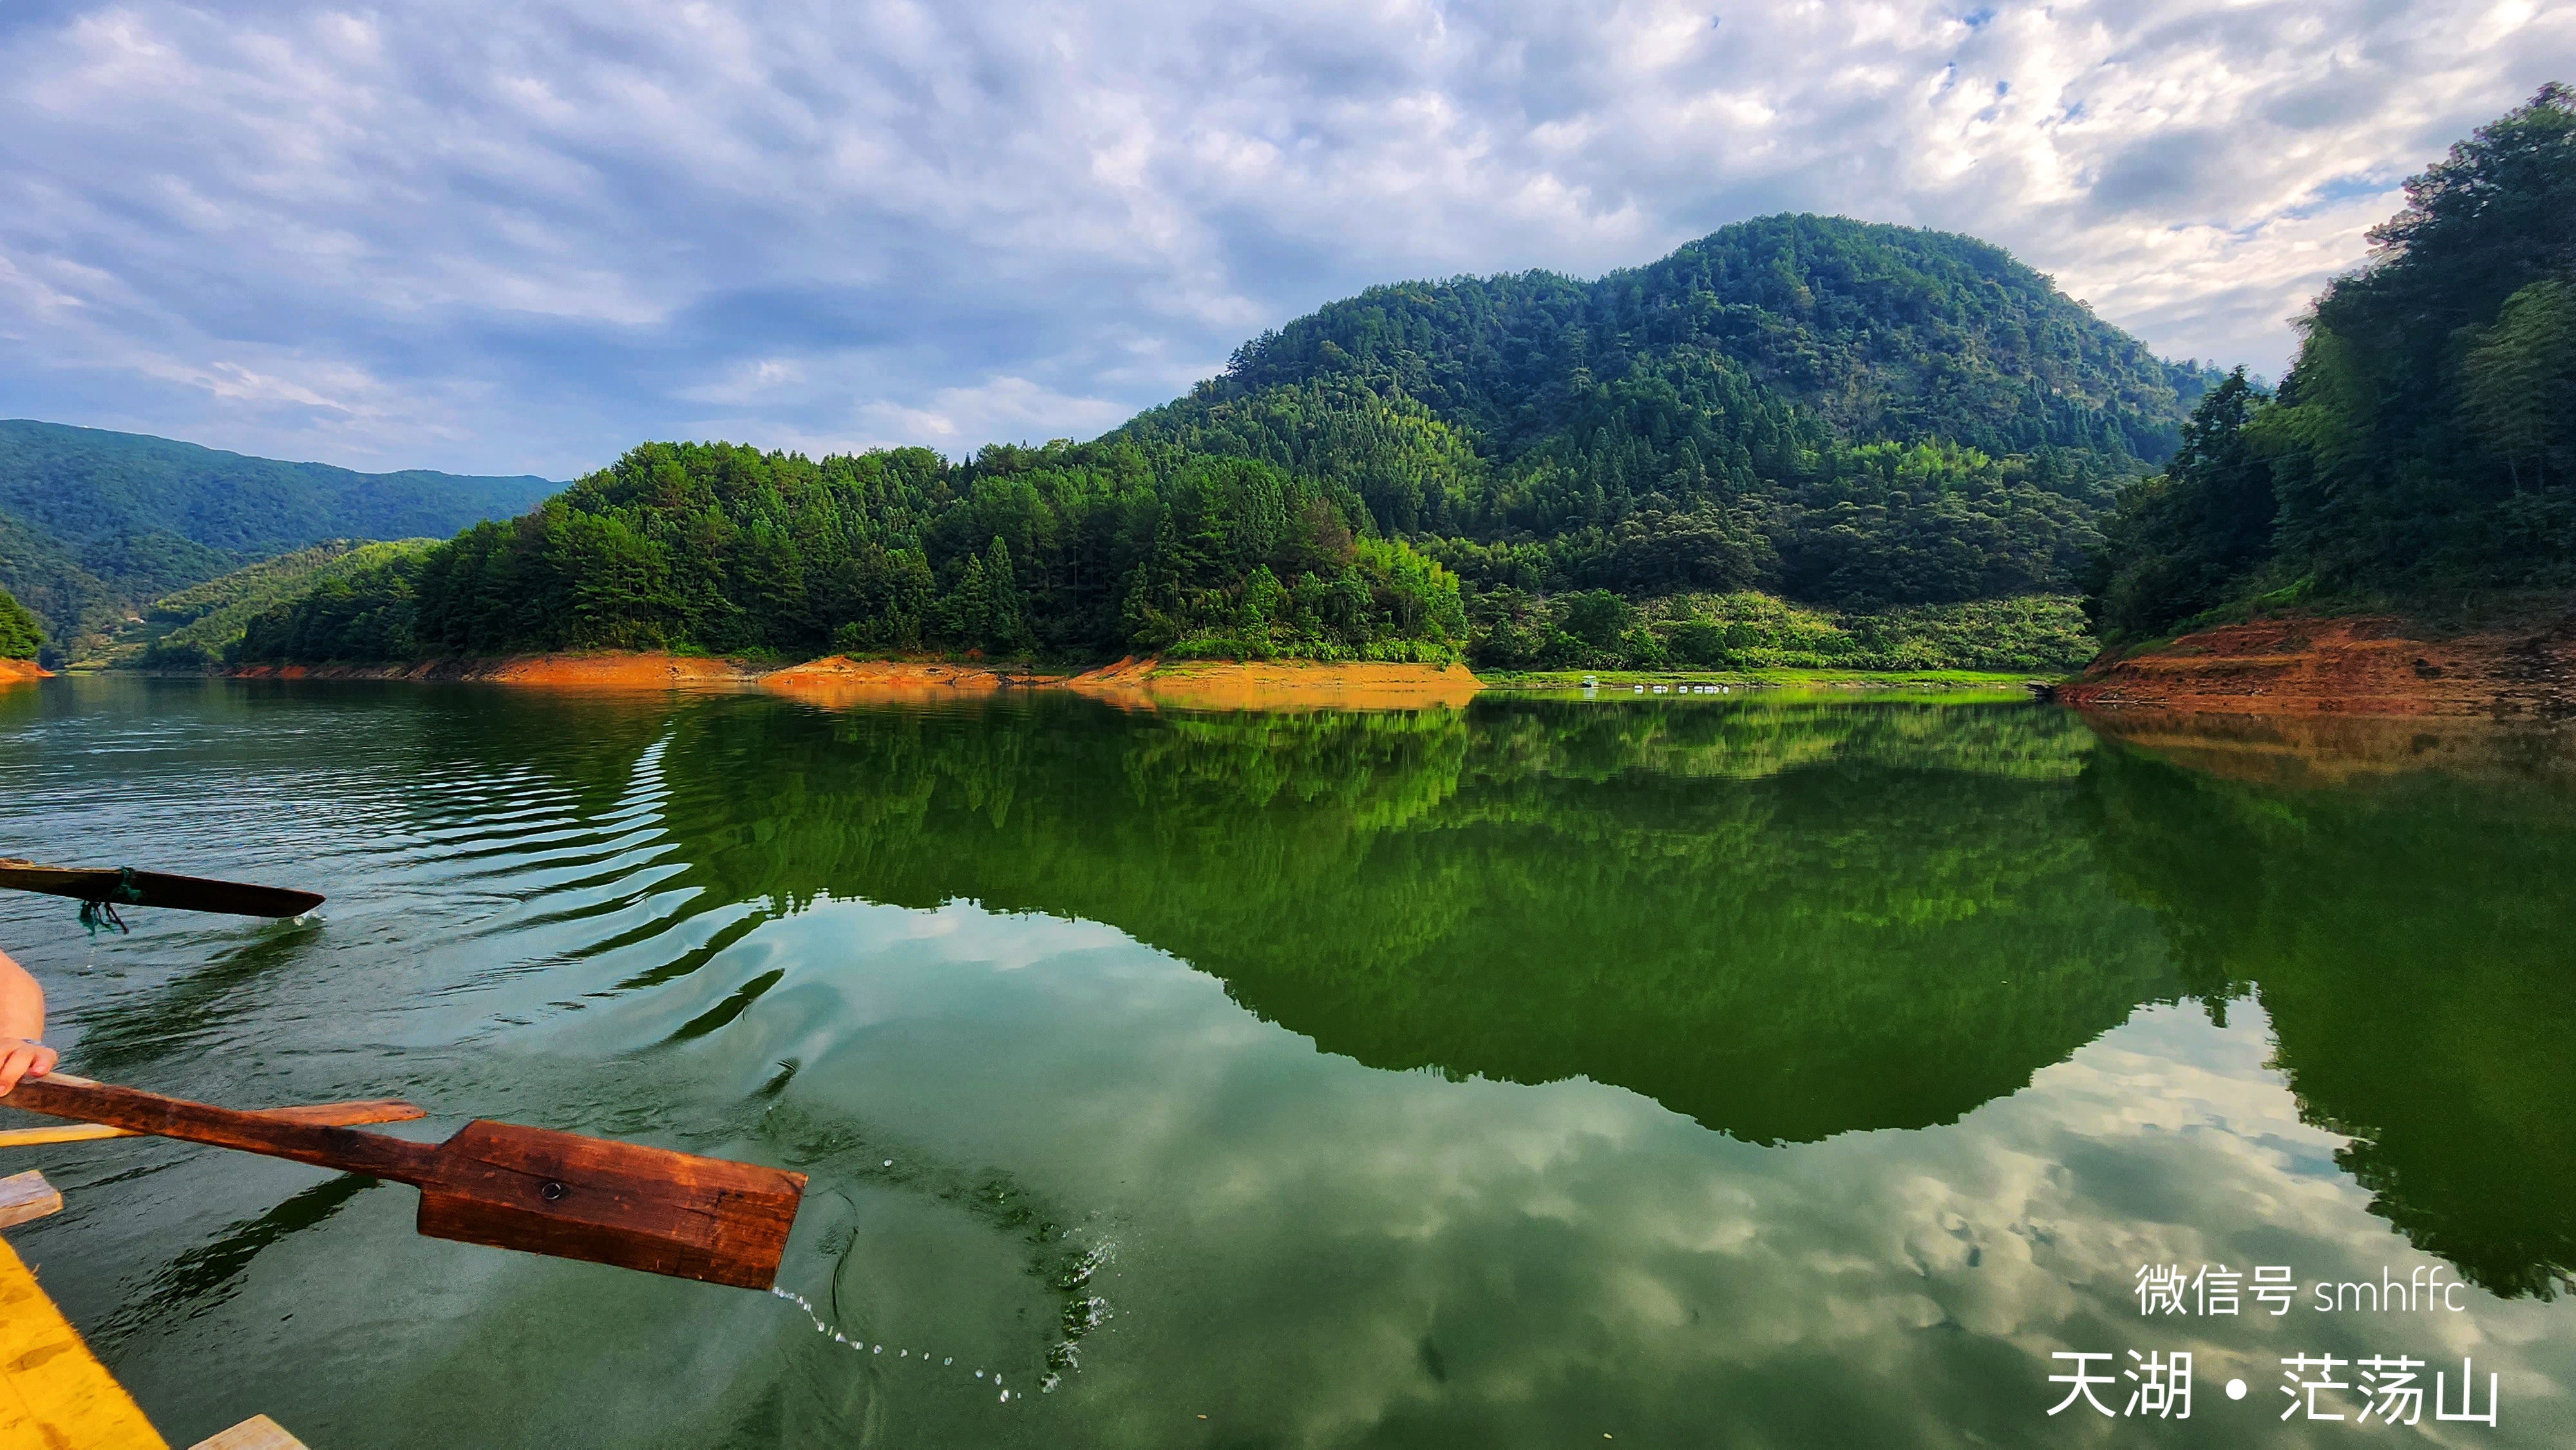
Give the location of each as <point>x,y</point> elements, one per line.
<point>259,1432</point>
<point>53,1392</point>
<point>26,1197</point>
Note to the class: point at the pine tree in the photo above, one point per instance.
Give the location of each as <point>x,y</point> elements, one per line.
<point>1004,630</point>
<point>2519,383</point>
<point>21,638</point>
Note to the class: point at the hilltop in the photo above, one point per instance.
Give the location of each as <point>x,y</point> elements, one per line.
<point>1786,365</point>
<point>1709,368</point>
<point>94,525</point>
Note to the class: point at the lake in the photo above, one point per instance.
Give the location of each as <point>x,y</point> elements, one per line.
<point>1769,1070</point>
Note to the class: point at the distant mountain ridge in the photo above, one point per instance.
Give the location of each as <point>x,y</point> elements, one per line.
<point>94,525</point>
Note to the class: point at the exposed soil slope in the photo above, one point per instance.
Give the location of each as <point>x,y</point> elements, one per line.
<point>2357,665</point>
<point>12,671</point>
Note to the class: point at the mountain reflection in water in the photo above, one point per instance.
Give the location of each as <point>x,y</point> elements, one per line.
<point>1965,1010</point>
<point>1786,918</point>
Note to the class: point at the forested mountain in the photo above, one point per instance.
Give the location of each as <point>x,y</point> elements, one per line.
<point>1838,410</point>
<point>2423,446</point>
<point>1853,416</point>
<point>199,625</point>
<point>94,524</point>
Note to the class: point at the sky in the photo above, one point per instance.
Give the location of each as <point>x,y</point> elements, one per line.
<point>521,237</point>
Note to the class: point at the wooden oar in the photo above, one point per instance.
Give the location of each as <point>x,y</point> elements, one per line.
<point>120,886</point>
<point>329,1115</point>
<point>503,1186</point>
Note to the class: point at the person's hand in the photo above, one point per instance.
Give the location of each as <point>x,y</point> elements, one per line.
<point>22,1058</point>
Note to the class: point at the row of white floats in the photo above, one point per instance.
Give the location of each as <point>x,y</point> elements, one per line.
<point>1591,684</point>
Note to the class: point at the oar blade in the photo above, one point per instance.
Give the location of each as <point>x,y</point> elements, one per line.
<point>611,1203</point>
<point>239,898</point>
<point>119,887</point>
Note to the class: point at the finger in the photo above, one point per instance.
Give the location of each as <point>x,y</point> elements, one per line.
<point>26,1059</point>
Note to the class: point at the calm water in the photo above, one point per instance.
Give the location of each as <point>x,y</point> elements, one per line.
<point>1765,1072</point>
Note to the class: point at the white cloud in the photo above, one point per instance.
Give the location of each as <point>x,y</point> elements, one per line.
<point>547,231</point>
<point>1299,1236</point>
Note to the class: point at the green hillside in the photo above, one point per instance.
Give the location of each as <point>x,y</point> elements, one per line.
<point>198,626</point>
<point>1885,332</point>
<point>1061,551</point>
<point>1893,426</point>
<point>94,525</point>
<point>1819,406</point>
<point>2422,449</point>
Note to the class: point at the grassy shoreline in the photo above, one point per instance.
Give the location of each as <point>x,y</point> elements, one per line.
<point>1775,678</point>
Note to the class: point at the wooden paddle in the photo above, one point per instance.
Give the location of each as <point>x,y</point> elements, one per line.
<point>507,1187</point>
<point>333,1115</point>
<point>120,886</point>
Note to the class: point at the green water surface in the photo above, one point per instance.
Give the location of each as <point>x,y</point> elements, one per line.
<point>1763,1070</point>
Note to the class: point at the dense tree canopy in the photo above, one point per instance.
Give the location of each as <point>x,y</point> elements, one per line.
<point>1882,332</point>
<point>2426,438</point>
<point>20,636</point>
<point>2180,543</point>
<point>1062,551</point>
